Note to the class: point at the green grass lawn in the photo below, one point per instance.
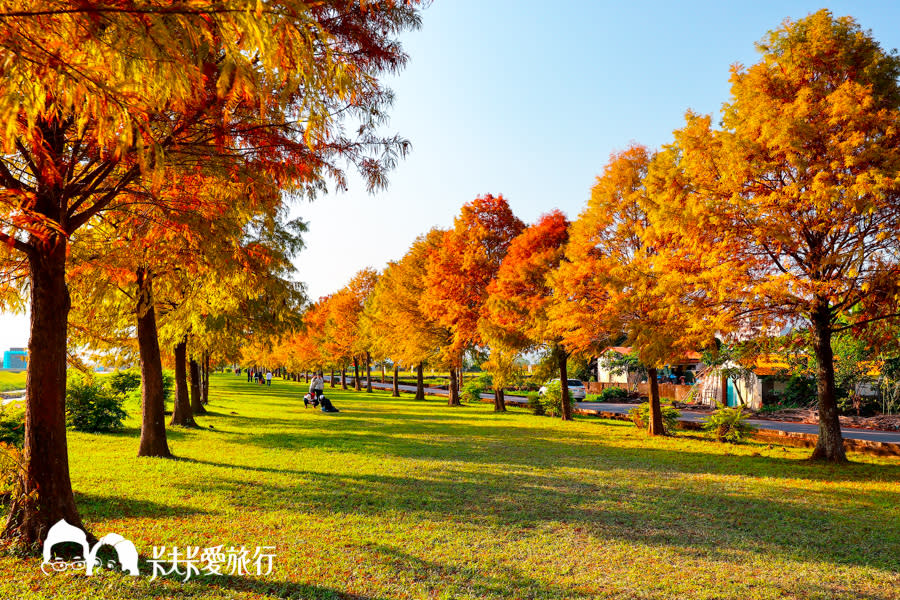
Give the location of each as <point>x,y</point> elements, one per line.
<point>403,499</point>
<point>10,380</point>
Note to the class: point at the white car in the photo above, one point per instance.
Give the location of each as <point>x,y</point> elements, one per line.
<point>576,388</point>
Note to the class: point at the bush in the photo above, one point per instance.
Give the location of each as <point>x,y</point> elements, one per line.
<point>12,425</point>
<point>799,392</point>
<point>640,415</point>
<point>122,382</point>
<point>534,403</point>
<point>853,404</point>
<point>551,400</point>
<point>472,391</point>
<point>729,425</point>
<point>613,394</point>
<point>92,406</point>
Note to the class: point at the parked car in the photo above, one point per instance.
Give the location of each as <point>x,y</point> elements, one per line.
<point>576,388</point>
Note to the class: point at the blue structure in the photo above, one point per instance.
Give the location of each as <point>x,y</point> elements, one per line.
<point>15,358</point>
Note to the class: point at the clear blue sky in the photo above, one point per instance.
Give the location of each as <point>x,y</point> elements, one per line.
<point>528,99</point>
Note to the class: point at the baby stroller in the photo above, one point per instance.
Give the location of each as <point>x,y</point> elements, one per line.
<point>323,402</point>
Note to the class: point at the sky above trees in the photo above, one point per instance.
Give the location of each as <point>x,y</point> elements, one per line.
<point>528,100</point>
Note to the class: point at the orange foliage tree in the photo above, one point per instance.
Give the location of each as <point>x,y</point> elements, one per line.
<point>797,196</point>
<point>343,333</point>
<point>99,98</point>
<point>614,283</point>
<point>399,327</point>
<point>459,271</point>
<point>515,315</point>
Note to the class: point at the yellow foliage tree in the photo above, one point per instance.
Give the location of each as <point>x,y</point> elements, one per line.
<point>790,210</point>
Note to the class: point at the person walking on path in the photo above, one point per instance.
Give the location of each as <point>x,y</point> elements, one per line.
<point>269,378</point>
<point>249,375</point>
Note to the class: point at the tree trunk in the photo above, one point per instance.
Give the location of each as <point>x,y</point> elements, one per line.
<point>153,403</point>
<point>383,375</point>
<point>204,392</point>
<point>44,493</point>
<point>356,384</point>
<point>331,381</point>
<point>420,382</point>
<point>655,426</point>
<point>454,388</point>
<point>204,376</point>
<point>196,385</point>
<point>396,391</point>
<point>566,408</point>
<point>368,373</point>
<point>830,445</point>
<point>343,377</point>
<point>499,400</point>
<point>182,414</point>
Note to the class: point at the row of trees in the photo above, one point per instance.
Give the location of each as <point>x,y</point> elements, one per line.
<point>785,214</point>
<point>148,152</point>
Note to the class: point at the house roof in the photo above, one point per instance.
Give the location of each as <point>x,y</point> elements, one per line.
<point>619,349</point>
<point>689,358</point>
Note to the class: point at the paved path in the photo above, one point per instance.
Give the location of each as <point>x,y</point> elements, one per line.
<point>852,433</point>
<point>687,415</point>
<point>11,396</point>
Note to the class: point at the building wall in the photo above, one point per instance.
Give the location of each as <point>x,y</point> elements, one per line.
<point>605,376</point>
<point>15,359</point>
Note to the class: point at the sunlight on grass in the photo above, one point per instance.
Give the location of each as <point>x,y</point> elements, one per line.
<point>12,380</point>
<point>403,499</point>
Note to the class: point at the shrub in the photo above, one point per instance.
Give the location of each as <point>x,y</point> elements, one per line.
<point>472,391</point>
<point>640,415</point>
<point>122,382</point>
<point>855,404</point>
<point>12,425</point>
<point>799,392</point>
<point>551,400</point>
<point>92,406</point>
<point>613,394</point>
<point>729,425</point>
<point>534,403</point>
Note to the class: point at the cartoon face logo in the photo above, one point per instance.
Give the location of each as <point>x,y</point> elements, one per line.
<point>63,533</point>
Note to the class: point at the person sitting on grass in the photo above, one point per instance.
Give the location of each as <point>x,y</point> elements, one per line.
<point>317,394</point>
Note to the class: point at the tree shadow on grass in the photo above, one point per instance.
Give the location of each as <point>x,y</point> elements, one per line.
<point>168,585</point>
<point>95,506</point>
<point>503,582</point>
<point>172,433</point>
<point>667,508</point>
<point>714,520</point>
<point>527,446</point>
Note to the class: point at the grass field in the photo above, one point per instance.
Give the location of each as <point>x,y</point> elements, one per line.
<point>403,499</point>
<point>10,380</point>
